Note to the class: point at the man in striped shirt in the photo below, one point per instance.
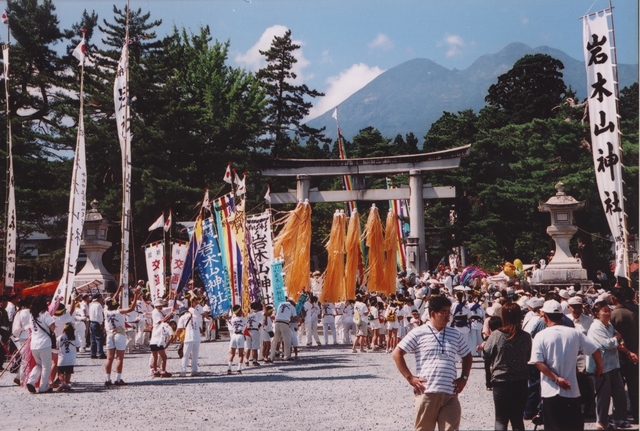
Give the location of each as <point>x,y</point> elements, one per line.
<point>435,384</point>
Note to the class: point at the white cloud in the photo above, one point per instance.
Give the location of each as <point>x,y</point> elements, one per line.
<point>453,44</point>
<point>381,41</point>
<point>344,85</point>
<point>253,60</point>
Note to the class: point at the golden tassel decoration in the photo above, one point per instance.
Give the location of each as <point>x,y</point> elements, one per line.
<point>375,259</point>
<point>353,256</point>
<point>293,243</point>
<point>391,250</point>
<point>333,277</point>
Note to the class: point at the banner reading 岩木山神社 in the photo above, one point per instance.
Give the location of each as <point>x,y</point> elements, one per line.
<point>599,54</point>
<point>261,253</point>
<point>211,271</point>
<point>154,258</point>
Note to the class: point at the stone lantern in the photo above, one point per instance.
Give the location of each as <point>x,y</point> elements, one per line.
<point>94,243</point>
<point>563,269</point>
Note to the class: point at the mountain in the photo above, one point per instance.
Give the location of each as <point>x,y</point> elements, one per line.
<point>413,95</point>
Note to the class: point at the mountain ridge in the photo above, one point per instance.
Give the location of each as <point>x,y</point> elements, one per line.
<point>411,96</point>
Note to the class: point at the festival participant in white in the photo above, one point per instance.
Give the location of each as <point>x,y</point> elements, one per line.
<point>160,336</point>
<point>116,336</point>
<point>312,310</point>
<point>435,384</point>
<point>20,332</point>
<point>267,332</point>
<point>285,313</point>
<point>61,318</point>
<point>189,323</point>
<point>252,342</point>
<point>329,322</point>
<point>68,347</point>
<point>42,327</point>
<point>236,324</point>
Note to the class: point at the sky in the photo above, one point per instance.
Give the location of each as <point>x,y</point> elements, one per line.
<point>347,43</point>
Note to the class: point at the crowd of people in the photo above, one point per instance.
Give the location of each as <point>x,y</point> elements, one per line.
<point>552,355</point>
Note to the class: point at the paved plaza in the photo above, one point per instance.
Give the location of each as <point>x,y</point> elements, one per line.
<point>327,388</point>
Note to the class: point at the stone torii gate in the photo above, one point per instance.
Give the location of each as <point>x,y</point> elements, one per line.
<point>414,164</point>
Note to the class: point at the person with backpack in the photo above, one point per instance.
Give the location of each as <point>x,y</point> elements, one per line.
<point>393,324</point>
<point>360,319</point>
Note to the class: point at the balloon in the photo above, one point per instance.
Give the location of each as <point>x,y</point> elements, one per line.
<point>518,264</point>
<point>509,269</point>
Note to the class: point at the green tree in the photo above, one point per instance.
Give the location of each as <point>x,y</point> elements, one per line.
<point>531,89</point>
<point>288,104</point>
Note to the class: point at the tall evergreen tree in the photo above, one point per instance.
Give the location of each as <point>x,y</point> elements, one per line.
<point>288,104</point>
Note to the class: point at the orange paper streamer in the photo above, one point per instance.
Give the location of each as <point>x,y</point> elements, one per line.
<point>390,249</point>
<point>375,242</point>
<point>333,284</point>
<point>353,256</point>
<point>293,243</point>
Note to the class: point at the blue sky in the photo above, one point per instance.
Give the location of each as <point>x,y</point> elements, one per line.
<point>347,43</point>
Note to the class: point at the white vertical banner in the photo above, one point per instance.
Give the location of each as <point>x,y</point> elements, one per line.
<point>11,227</point>
<point>121,100</point>
<point>599,55</point>
<point>77,209</point>
<point>178,256</point>
<point>261,253</point>
<point>154,256</point>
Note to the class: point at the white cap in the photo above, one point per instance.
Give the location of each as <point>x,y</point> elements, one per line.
<point>535,303</point>
<point>564,294</point>
<point>576,300</point>
<point>552,307</point>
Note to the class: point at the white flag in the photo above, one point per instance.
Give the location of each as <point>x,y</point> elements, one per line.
<point>154,258</point>
<point>206,203</point>
<point>167,224</point>
<point>121,101</point>
<point>227,174</point>
<point>599,55</point>
<point>267,195</point>
<point>335,114</point>
<point>158,223</point>
<point>5,17</point>
<point>241,183</point>
<point>80,51</point>
<point>75,225</point>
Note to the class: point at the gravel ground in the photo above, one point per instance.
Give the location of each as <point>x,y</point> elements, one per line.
<point>327,388</point>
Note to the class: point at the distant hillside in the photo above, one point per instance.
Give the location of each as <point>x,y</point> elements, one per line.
<point>413,95</point>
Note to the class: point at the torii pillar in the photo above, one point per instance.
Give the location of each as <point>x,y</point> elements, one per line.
<point>416,242</point>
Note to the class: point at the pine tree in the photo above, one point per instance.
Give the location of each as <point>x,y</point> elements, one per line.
<point>288,103</point>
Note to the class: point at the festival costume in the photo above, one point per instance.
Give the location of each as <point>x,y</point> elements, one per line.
<point>311,322</point>
<point>328,322</point>
<point>190,322</point>
<point>41,351</point>
<point>284,314</point>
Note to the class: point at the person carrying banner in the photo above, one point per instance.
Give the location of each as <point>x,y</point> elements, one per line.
<point>189,323</point>
<point>284,314</point>
<point>116,336</point>
<point>237,324</point>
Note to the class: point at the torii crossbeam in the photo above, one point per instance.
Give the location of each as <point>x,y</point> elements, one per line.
<point>414,164</point>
